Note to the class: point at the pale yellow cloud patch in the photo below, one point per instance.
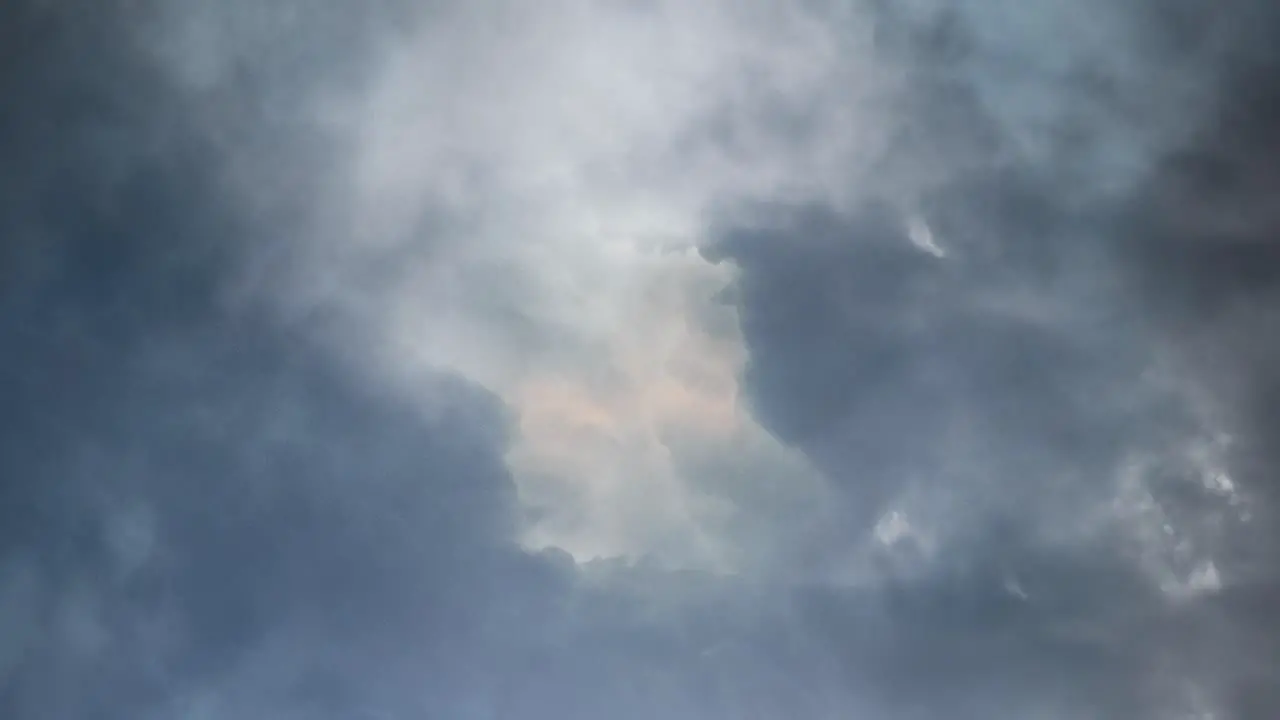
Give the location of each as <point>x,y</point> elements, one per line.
<point>603,441</point>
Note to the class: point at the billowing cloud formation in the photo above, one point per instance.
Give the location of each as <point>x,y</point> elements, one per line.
<point>569,152</point>
<point>634,359</point>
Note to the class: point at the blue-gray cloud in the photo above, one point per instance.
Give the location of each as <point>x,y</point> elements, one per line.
<point>1004,442</point>
<point>1072,345</point>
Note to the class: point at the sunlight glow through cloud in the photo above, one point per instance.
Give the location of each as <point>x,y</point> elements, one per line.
<point>582,129</point>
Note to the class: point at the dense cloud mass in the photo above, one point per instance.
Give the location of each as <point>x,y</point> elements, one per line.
<point>597,358</point>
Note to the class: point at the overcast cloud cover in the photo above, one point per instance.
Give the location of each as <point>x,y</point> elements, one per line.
<point>639,359</point>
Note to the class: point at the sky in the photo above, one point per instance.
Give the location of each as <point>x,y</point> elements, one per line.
<point>501,360</point>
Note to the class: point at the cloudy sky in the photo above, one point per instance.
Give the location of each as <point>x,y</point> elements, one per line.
<point>653,359</point>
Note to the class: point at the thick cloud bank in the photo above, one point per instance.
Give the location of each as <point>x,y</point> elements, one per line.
<point>599,358</point>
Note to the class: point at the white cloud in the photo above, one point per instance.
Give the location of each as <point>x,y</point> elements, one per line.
<point>921,236</point>
<point>540,177</point>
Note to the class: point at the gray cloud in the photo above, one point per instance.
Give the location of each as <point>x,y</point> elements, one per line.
<point>191,491</point>
<point>1074,368</point>
<point>956,379</point>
